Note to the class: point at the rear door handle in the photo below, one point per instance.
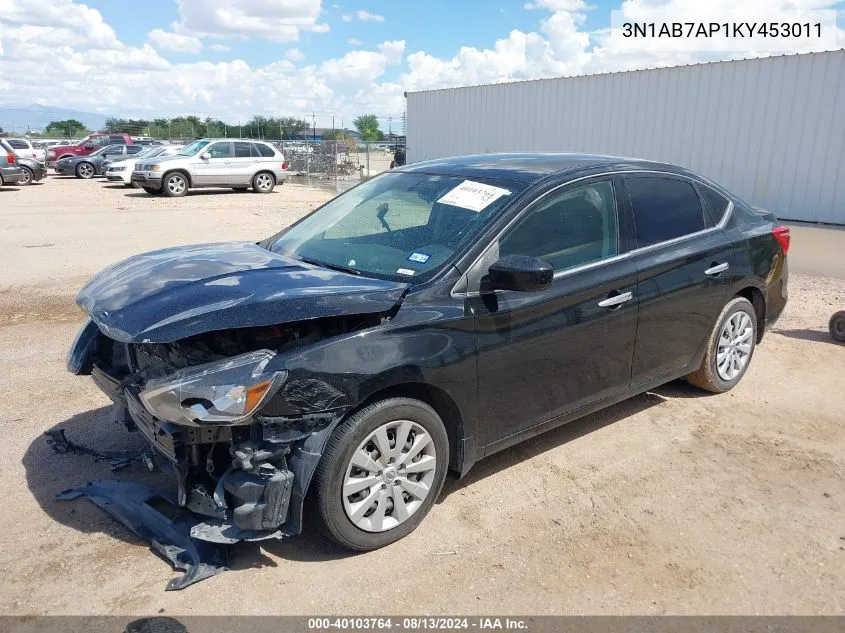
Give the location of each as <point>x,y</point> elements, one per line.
<point>616,300</point>
<point>715,269</point>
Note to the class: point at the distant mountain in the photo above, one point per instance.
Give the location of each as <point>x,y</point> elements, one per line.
<point>36,117</point>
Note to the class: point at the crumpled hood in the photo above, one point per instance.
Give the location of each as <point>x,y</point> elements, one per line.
<point>170,294</point>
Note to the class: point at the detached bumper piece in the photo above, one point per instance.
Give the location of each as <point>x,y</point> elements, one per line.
<point>157,519</point>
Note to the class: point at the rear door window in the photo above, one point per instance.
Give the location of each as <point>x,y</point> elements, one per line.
<point>664,208</point>
<point>18,144</point>
<point>243,149</point>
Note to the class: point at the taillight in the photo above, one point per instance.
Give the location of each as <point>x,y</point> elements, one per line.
<point>781,234</point>
<point>11,159</point>
<point>284,165</point>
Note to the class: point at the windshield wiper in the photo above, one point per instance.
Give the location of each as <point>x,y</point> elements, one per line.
<point>342,269</point>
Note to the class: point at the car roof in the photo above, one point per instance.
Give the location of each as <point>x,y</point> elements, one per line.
<point>530,168</point>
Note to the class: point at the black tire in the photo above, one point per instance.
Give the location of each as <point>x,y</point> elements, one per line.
<point>331,471</point>
<point>170,184</point>
<point>152,190</point>
<point>28,177</point>
<point>85,170</point>
<point>836,325</point>
<point>263,182</point>
<point>707,376</point>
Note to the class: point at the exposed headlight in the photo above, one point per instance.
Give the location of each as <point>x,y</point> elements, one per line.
<point>223,392</point>
<point>155,167</point>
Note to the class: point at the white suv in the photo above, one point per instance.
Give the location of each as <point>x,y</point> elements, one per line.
<point>24,149</point>
<point>121,171</point>
<point>235,163</point>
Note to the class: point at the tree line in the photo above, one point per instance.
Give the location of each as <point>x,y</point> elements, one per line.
<point>260,127</point>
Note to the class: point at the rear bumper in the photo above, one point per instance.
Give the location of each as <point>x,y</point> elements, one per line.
<point>11,175</point>
<point>777,293</point>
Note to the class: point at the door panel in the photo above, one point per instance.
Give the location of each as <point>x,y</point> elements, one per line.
<point>215,170</point>
<point>543,354</point>
<point>684,267</point>
<point>243,163</point>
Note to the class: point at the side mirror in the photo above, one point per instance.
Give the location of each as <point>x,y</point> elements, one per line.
<point>89,146</point>
<point>520,272</point>
<point>205,156</point>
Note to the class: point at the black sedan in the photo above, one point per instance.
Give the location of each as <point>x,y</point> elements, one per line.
<point>95,163</point>
<point>33,171</point>
<point>417,323</point>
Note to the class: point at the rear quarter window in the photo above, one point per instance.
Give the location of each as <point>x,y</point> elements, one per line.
<point>265,150</point>
<point>18,144</point>
<point>714,203</point>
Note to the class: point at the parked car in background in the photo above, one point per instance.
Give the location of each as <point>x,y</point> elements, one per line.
<point>429,317</point>
<point>24,148</point>
<point>236,163</point>
<point>32,171</point>
<point>10,171</point>
<point>85,147</point>
<point>121,170</point>
<point>92,165</point>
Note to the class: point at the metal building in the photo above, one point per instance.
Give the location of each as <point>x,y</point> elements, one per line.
<point>771,130</point>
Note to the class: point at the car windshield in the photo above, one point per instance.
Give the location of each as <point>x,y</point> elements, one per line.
<point>399,226</point>
<point>100,151</point>
<point>192,148</point>
<point>149,152</point>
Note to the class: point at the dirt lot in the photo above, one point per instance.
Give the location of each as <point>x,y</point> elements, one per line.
<point>672,502</point>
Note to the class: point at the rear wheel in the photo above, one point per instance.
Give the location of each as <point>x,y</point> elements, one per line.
<point>175,185</point>
<point>729,348</point>
<point>837,326</point>
<point>263,182</point>
<point>28,177</point>
<point>381,472</point>
<point>85,171</point>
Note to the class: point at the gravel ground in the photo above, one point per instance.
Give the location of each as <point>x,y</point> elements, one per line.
<point>672,502</point>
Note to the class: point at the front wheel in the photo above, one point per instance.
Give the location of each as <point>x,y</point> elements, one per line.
<point>729,348</point>
<point>263,182</point>
<point>175,185</point>
<point>85,171</point>
<point>381,472</point>
<point>837,326</point>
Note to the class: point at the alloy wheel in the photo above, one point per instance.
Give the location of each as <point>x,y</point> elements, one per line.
<point>176,185</point>
<point>85,170</point>
<point>389,476</point>
<point>263,182</point>
<point>735,345</point>
<point>27,177</point>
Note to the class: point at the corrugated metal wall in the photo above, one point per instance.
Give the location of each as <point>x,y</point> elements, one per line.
<point>771,130</point>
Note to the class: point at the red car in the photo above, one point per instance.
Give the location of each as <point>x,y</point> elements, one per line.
<point>89,144</point>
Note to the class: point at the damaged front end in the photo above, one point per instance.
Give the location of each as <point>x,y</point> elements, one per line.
<point>240,440</point>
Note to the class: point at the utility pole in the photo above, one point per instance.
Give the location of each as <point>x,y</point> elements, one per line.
<point>389,128</point>
<point>314,125</point>
<point>334,153</point>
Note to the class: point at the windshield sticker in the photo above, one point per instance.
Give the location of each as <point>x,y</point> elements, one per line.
<point>420,258</point>
<point>474,196</point>
<point>404,271</point>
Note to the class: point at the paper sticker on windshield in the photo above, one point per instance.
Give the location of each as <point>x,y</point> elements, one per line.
<point>420,258</point>
<point>404,271</point>
<point>474,196</point>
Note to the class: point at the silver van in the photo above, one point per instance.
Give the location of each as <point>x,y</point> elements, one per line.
<point>235,163</point>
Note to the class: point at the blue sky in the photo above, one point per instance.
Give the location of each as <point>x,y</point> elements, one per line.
<point>235,58</point>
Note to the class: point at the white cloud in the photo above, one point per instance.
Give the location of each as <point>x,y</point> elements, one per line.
<point>557,5</point>
<point>346,17</point>
<point>174,42</point>
<point>280,21</point>
<point>294,55</point>
<point>61,53</point>
<point>366,16</point>
<point>354,42</point>
<point>220,48</point>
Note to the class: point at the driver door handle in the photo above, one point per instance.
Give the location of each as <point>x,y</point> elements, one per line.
<point>616,300</point>
<point>715,268</point>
